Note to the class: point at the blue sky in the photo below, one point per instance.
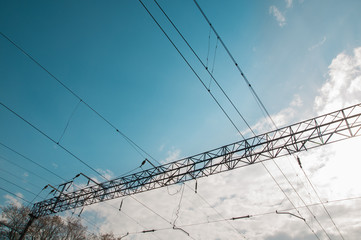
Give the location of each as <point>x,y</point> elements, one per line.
<point>117,60</point>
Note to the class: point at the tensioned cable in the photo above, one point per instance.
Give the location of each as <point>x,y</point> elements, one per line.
<point>51,139</point>
<point>14,195</point>
<point>252,215</point>
<point>7,160</point>
<point>70,117</point>
<point>32,161</point>
<point>130,141</point>
<point>324,207</point>
<point>19,178</point>
<point>214,62</point>
<point>17,186</point>
<point>135,146</point>
<point>192,71</point>
<point>258,100</point>
<point>234,61</point>
<point>204,67</point>
<point>72,154</point>
<point>200,60</point>
<point>195,73</point>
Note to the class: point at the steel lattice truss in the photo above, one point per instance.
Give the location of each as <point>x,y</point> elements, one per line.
<point>315,132</point>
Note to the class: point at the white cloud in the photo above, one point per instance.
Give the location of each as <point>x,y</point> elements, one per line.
<point>278,15</point>
<point>319,44</point>
<point>172,155</point>
<point>289,3</point>
<point>343,87</point>
<point>333,169</point>
<point>13,200</point>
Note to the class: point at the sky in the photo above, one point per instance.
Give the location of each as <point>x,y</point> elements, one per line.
<point>302,57</point>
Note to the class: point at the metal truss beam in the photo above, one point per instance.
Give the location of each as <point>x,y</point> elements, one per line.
<point>308,134</point>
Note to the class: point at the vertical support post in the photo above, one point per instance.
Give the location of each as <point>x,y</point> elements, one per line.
<point>31,220</point>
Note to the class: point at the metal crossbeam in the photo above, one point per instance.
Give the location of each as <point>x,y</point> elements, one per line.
<point>315,132</point>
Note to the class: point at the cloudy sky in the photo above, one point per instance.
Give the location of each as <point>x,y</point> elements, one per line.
<point>302,57</point>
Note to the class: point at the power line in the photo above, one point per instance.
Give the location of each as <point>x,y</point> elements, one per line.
<point>72,154</point>
<point>51,139</point>
<point>18,186</point>
<point>135,146</point>
<point>37,175</point>
<point>234,61</point>
<point>11,193</point>
<point>130,141</point>
<point>32,161</point>
<point>183,57</point>
<point>202,63</point>
<point>189,65</point>
<point>262,106</point>
<point>19,178</point>
<point>249,215</point>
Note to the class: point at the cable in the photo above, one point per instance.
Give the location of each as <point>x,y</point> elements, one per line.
<point>235,63</point>
<point>250,215</point>
<point>32,161</point>
<point>136,147</point>
<point>14,194</point>
<point>179,205</point>
<point>258,100</point>
<point>70,117</point>
<point>3,158</point>
<point>18,186</point>
<point>200,60</point>
<point>195,73</point>
<point>72,154</point>
<point>214,62</point>
<point>329,215</point>
<point>19,178</point>
<point>51,139</point>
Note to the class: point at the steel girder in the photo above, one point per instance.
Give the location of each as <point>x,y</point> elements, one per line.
<point>315,132</point>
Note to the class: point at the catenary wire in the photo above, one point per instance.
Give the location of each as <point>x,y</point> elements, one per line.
<point>234,61</point>
<point>70,117</point>
<point>37,175</point>
<point>193,70</point>
<point>51,139</point>
<point>250,215</point>
<point>135,146</point>
<point>72,154</point>
<point>19,178</point>
<point>201,63</point>
<point>130,141</point>
<point>32,161</point>
<point>11,193</point>
<point>260,103</point>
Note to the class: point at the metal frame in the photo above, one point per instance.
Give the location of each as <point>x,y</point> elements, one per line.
<point>315,132</point>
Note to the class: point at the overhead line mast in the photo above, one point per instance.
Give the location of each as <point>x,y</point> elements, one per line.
<point>301,136</point>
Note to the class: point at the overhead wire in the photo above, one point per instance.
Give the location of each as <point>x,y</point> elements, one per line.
<point>70,117</point>
<point>262,106</point>
<point>31,172</point>
<point>202,63</point>
<point>72,154</point>
<point>32,161</point>
<point>129,140</point>
<point>192,69</point>
<point>199,61</point>
<point>19,178</point>
<point>135,146</point>
<point>13,194</point>
<point>51,139</point>
<point>249,216</point>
